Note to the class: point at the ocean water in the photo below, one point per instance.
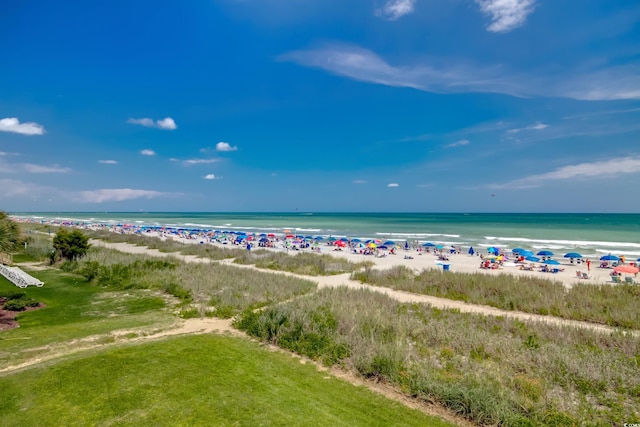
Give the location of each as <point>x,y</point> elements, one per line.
<point>590,234</point>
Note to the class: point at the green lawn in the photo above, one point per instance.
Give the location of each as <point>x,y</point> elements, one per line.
<point>75,309</point>
<point>199,380</point>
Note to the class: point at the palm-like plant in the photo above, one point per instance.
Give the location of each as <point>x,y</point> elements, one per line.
<point>9,233</point>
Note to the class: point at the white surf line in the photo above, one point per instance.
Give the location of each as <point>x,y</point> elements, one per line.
<point>401,296</point>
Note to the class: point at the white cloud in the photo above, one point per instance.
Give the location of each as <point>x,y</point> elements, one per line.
<point>395,9</point>
<point>603,169</point>
<point>536,126</point>
<point>191,162</point>
<point>12,124</point>
<point>359,181</point>
<point>211,176</point>
<point>225,146</point>
<point>12,188</point>
<point>393,184</point>
<point>31,168</point>
<point>147,152</point>
<point>116,195</point>
<point>167,123</point>
<point>459,143</point>
<point>506,15</point>
<point>108,162</point>
<point>445,76</point>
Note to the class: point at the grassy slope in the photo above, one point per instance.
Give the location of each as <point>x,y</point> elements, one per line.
<point>198,380</point>
<point>75,309</point>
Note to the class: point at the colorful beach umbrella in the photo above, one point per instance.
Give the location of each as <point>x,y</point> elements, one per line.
<point>629,269</point>
<point>572,255</point>
<point>609,258</point>
<point>545,253</point>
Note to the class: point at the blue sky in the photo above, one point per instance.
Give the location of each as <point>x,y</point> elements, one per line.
<point>320,105</point>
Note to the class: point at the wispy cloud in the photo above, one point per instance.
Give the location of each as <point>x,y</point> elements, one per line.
<point>13,188</point>
<point>536,126</point>
<point>167,123</point>
<point>147,152</point>
<point>225,146</point>
<point>601,113</point>
<point>395,9</point>
<point>190,162</point>
<point>603,169</point>
<point>359,181</point>
<point>459,143</point>
<point>108,162</point>
<point>12,124</point>
<point>31,168</point>
<point>506,15</point>
<point>211,176</point>
<point>393,184</point>
<point>116,195</point>
<point>445,76</point>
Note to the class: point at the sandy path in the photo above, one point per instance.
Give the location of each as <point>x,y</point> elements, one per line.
<point>407,297</point>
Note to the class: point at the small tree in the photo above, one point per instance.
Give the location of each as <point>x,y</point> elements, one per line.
<point>69,245</point>
<point>9,234</point>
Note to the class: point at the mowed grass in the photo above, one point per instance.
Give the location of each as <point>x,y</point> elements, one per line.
<point>75,309</point>
<point>199,380</point>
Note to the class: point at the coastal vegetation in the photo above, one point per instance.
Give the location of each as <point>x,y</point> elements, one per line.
<point>300,263</point>
<point>609,305</point>
<point>69,245</point>
<point>489,370</point>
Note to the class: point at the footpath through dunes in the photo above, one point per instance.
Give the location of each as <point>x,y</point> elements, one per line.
<point>401,296</point>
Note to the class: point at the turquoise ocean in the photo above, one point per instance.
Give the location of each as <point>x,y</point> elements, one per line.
<point>592,235</point>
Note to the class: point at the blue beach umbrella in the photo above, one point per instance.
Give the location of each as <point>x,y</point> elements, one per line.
<point>518,250</point>
<point>471,251</point>
<point>332,239</point>
<point>389,243</point>
<point>319,238</point>
<point>609,258</point>
<point>551,262</point>
<point>572,255</point>
<point>440,247</point>
<point>526,253</point>
<point>545,253</point>
<point>383,247</point>
<point>428,244</point>
<point>308,237</point>
<point>532,258</point>
<point>493,250</point>
<point>356,240</point>
<point>344,239</point>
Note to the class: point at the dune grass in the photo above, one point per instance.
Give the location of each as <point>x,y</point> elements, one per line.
<point>223,291</point>
<point>493,371</point>
<point>300,262</point>
<point>604,304</point>
<point>198,380</point>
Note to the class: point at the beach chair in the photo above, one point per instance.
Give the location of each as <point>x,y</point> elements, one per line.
<point>579,274</point>
<point>615,279</point>
<point>585,276</point>
<point>629,280</point>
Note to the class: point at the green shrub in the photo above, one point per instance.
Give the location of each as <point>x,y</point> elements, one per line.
<point>14,305</point>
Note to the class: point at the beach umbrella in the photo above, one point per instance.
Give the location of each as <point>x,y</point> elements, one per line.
<point>493,250</point>
<point>573,255</point>
<point>518,250</point>
<point>389,243</point>
<point>383,247</point>
<point>271,235</point>
<point>262,235</point>
<point>629,269</point>
<point>609,258</point>
<point>428,244</point>
<point>545,253</point>
<point>332,239</point>
<point>344,239</point>
<point>340,243</point>
<point>319,238</point>
<point>308,237</point>
<point>289,236</point>
<point>526,253</point>
<point>406,245</point>
<point>532,258</point>
<point>356,240</point>
<point>551,262</point>
<point>372,245</point>
<point>440,247</point>
<point>471,251</point>
<point>264,240</point>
